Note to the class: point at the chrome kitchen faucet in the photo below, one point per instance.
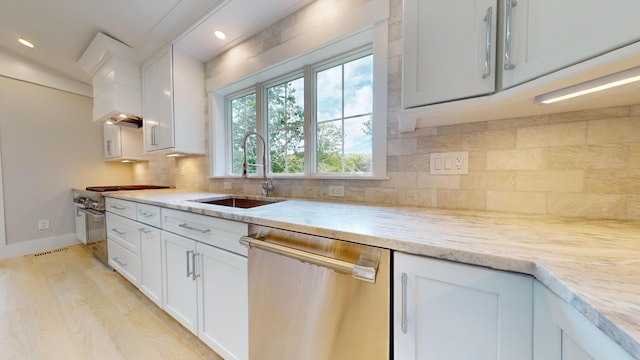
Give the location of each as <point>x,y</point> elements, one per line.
<point>267,184</point>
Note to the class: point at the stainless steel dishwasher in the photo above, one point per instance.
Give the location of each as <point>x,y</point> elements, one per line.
<point>315,298</point>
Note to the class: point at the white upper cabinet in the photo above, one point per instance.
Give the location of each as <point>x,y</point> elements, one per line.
<point>115,74</point>
<point>449,50</point>
<point>547,35</point>
<point>122,143</point>
<point>173,103</point>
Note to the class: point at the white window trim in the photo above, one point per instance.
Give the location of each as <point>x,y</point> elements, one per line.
<point>330,39</point>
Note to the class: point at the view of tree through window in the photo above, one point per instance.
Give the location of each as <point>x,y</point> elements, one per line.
<point>243,119</point>
<point>285,120</point>
<point>344,103</point>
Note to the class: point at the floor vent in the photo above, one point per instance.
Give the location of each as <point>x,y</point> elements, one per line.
<point>51,252</point>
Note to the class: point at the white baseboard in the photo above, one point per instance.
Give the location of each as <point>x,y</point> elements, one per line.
<point>37,246</point>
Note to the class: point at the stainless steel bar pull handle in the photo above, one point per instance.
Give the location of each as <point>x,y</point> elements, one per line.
<point>403,323</point>
<point>189,268</point>
<point>186,226</point>
<point>117,261</point>
<point>364,269</point>
<point>194,257</point>
<point>487,43</point>
<point>118,231</point>
<point>509,5</point>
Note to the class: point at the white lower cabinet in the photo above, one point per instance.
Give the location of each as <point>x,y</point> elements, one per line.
<point>446,310</point>
<point>151,264</point>
<point>561,333</point>
<point>223,302</point>
<point>181,289</point>
<point>206,291</point>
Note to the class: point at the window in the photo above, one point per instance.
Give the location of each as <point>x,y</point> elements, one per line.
<point>242,112</point>
<point>285,126</point>
<point>321,103</point>
<point>344,107</point>
<point>342,121</point>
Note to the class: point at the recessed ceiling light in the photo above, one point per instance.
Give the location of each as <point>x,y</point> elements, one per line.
<point>26,43</point>
<point>220,35</point>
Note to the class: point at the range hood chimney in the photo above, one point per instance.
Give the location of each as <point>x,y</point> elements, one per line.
<point>115,71</point>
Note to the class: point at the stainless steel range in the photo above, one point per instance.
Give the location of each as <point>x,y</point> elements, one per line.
<point>90,219</point>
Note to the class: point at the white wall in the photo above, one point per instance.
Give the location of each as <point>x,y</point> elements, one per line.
<point>48,145</point>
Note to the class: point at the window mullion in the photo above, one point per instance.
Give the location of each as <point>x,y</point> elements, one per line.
<point>261,126</point>
<point>310,126</point>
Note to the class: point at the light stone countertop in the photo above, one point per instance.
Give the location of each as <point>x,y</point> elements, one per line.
<point>594,265</point>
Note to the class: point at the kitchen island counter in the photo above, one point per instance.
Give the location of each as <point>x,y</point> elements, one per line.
<point>594,265</point>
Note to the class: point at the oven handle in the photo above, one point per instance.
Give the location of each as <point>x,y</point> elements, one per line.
<point>364,269</point>
<point>95,214</point>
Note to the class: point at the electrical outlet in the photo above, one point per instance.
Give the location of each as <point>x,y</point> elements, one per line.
<point>228,185</point>
<point>337,191</point>
<point>449,163</point>
<point>43,224</point>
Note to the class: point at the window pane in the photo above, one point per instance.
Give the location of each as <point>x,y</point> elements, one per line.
<point>344,130</point>
<point>285,119</point>
<point>357,145</point>
<point>358,87</point>
<point>329,94</point>
<point>243,119</point>
<point>330,141</point>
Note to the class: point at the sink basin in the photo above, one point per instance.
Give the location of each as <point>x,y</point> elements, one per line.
<point>238,202</point>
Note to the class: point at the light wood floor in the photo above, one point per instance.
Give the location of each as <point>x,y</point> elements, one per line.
<point>67,305</point>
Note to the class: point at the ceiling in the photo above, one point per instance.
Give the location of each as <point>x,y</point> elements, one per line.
<point>62,29</point>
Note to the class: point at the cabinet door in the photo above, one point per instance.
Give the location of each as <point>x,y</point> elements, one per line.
<point>180,295</point>
<point>150,100</point>
<point>561,333</point>
<point>449,50</point>
<point>112,143</point>
<point>223,302</point>
<point>548,35</point>
<point>164,135</point>
<point>157,102</point>
<point>151,264</point>
<point>445,310</point>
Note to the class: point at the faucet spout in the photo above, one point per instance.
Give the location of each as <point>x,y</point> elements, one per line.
<point>267,184</point>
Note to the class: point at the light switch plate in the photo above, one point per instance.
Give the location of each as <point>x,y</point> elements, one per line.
<point>449,163</point>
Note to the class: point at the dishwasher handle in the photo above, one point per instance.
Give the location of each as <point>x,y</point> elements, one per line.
<point>364,269</point>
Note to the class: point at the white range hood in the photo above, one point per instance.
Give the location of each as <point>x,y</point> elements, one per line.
<point>115,73</point>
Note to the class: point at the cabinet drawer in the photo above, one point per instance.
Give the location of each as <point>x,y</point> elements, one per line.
<point>121,207</point>
<point>148,214</point>
<point>224,234</point>
<point>124,261</point>
<point>124,231</point>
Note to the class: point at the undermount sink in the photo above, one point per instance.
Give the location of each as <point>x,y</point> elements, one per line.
<point>238,202</point>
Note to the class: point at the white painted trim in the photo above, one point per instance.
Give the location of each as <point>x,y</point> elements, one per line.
<point>38,245</point>
<point>3,233</point>
<point>15,67</point>
<point>358,27</point>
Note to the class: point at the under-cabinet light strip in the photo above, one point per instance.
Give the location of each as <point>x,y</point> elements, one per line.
<point>591,86</point>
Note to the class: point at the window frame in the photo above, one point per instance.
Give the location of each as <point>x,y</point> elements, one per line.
<point>310,126</point>
<point>369,28</point>
<point>314,70</point>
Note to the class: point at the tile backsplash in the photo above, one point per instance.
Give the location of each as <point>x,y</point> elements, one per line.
<point>577,164</point>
